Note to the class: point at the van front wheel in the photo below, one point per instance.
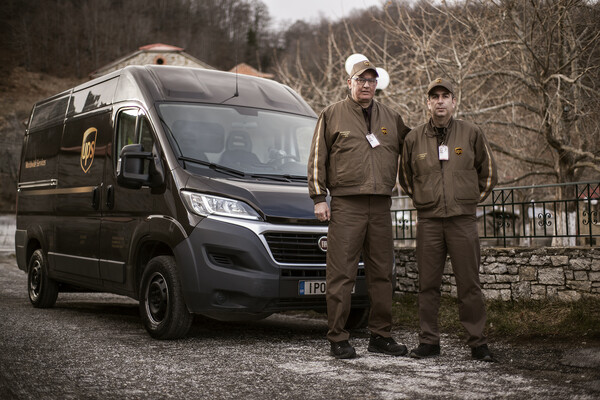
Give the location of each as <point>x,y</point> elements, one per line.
<point>43,290</point>
<point>162,307</point>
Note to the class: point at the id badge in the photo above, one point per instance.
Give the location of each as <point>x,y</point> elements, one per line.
<point>372,140</point>
<point>443,152</point>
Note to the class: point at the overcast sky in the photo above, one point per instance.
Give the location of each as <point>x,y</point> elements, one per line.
<point>310,10</point>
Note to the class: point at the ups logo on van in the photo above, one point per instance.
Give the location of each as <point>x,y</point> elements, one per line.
<point>88,148</point>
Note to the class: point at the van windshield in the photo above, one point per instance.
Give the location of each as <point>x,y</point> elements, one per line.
<point>249,140</point>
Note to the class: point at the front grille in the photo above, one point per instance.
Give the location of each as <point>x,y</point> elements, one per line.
<point>303,273</point>
<point>311,273</point>
<point>316,303</point>
<point>296,248</point>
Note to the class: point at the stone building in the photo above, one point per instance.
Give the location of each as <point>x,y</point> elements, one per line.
<point>157,53</point>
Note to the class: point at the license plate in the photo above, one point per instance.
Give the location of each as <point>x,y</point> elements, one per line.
<point>311,288</point>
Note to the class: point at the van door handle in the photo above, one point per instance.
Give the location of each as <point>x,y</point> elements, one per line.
<point>110,197</point>
<point>96,198</point>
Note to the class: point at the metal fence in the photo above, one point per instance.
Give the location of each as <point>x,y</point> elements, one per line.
<point>561,214</point>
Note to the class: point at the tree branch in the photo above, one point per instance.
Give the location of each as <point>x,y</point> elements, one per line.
<point>512,124</point>
<point>591,165</point>
<point>527,175</point>
<point>516,156</point>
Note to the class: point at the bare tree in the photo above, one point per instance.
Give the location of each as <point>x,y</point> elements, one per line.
<point>320,78</point>
<point>77,37</point>
<point>526,71</point>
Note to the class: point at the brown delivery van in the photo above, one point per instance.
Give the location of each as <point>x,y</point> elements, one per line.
<point>180,187</point>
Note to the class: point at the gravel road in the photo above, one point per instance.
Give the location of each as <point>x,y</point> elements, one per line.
<point>93,346</point>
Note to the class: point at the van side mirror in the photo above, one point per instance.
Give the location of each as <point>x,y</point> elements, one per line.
<point>137,168</point>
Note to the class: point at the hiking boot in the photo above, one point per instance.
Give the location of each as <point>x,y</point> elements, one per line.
<point>425,350</point>
<point>386,345</point>
<point>482,353</point>
<point>342,349</point>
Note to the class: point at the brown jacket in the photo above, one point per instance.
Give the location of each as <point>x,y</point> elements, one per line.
<point>453,187</point>
<point>342,160</point>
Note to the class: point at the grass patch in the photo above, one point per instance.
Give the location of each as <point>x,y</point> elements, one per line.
<point>577,321</point>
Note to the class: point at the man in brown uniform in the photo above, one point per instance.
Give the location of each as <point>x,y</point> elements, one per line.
<point>354,154</point>
<point>447,168</point>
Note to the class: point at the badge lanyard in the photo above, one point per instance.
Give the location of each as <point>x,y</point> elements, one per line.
<point>443,150</point>
<point>370,136</point>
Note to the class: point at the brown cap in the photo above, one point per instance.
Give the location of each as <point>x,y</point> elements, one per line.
<point>440,82</point>
<point>361,67</point>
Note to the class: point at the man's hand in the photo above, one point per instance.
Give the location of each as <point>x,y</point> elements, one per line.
<point>322,211</point>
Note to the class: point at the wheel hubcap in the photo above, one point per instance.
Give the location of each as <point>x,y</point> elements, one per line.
<point>35,279</point>
<point>157,300</point>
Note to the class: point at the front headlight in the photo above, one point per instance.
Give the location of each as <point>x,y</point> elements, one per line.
<point>204,204</point>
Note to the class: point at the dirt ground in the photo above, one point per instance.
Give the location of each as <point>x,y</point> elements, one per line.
<point>92,345</point>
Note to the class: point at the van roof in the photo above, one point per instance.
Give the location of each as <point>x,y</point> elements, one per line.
<point>158,83</point>
<point>185,84</point>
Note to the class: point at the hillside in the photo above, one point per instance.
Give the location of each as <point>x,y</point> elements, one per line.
<point>19,89</point>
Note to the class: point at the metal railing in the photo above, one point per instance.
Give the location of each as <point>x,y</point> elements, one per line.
<point>561,214</point>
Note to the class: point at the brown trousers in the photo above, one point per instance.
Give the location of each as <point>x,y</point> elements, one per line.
<point>359,223</point>
<point>458,237</point>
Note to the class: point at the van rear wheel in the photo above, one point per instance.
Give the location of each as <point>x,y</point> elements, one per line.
<point>43,290</point>
<point>162,308</point>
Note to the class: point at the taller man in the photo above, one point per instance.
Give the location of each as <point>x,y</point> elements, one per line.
<point>354,154</point>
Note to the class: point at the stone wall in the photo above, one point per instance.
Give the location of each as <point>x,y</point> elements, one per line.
<point>519,273</point>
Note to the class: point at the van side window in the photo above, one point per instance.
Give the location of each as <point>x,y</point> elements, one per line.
<point>92,98</point>
<point>50,112</point>
<point>133,127</point>
<point>126,129</point>
<point>146,136</point>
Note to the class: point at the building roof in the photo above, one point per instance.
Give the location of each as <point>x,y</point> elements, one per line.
<point>243,68</point>
<point>160,47</point>
<point>156,53</point>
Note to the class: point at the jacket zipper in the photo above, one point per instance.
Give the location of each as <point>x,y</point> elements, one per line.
<point>368,126</point>
<point>442,172</point>
<point>444,189</point>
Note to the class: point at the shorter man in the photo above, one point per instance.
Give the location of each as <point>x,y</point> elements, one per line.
<point>447,168</point>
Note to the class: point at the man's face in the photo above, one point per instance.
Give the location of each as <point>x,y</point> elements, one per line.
<point>441,103</point>
<point>363,92</point>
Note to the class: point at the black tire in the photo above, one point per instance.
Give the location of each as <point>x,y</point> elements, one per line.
<point>43,291</point>
<point>358,318</point>
<point>162,308</point>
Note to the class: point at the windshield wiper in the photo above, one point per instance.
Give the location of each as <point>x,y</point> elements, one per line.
<point>279,177</point>
<point>213,166</point>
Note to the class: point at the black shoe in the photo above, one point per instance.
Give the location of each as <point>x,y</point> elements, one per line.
<point>342,349</point>
<point>425,350</point>
<point>482,353</point>
<point>386,345</point>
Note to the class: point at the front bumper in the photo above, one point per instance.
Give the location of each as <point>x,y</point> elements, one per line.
<point>227,267</point>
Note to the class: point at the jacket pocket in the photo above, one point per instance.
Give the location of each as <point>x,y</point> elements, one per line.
<point>426,190</point>
<point>466,186</point>
<point>347,168</point>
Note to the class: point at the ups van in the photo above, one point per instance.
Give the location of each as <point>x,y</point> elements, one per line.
<point>182,188</point>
